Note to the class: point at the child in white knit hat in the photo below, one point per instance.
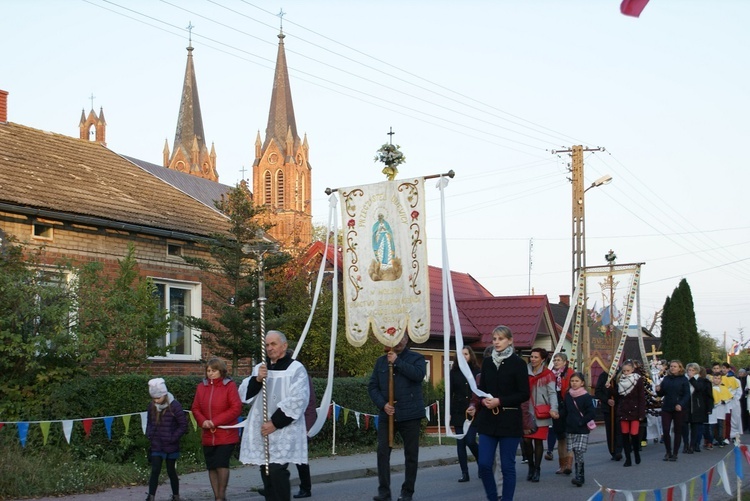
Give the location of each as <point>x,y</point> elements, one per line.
<point>165,424</point>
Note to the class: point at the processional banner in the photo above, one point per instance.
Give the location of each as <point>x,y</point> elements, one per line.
<point>386,285</point>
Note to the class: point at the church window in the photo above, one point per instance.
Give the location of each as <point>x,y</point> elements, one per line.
<point>267,188</point>
<point>280,189</point>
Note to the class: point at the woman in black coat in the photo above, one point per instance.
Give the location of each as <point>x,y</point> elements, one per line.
<point>701,405</point>
<point>499,417</point>
<point>460,399</point>
<point>675,392</point>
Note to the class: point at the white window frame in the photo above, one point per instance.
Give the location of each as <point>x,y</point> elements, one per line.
<point>196,303</point>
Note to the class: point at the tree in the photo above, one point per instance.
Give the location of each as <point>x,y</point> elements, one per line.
<point>710,351</point>
<point>123,313</point>
<point>233,333</point>
<point>679,333</point>
<point>39,344</point>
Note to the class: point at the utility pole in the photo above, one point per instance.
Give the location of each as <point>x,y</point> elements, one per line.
<point>579,244</point>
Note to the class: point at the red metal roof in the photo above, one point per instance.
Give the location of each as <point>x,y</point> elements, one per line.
<point>464,287</point>
<point>523,314</point>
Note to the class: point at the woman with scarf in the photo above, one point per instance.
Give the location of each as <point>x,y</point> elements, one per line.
<point>499,417</point>
<point>675,392</point>
<point>544,404</point>
<point>630,410</point>
<point>562,373</point>
<point>460,398</point>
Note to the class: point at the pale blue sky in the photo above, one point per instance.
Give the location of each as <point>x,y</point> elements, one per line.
<point>486,88</point>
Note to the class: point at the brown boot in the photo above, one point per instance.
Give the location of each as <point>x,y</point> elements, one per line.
<point>569,465</point>
<point>562,462</point>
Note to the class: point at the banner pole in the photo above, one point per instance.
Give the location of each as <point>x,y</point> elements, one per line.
<point>451,174</point>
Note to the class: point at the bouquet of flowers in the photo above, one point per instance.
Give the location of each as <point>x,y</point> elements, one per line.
<point>392,157</point>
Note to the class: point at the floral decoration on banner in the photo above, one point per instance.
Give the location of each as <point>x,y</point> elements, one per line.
<point>392,157</point>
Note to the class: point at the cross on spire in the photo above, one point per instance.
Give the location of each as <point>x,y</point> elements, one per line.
<point>190,32</point>
<point>281,15</point>
<point>243,172</point>
<point>390,135</point>
<point>92,97</point>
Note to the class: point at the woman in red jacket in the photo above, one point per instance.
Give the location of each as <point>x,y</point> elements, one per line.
<point>217,403</point>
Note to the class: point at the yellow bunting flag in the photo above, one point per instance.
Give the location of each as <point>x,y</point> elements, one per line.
<point>44,425</point>
<point>192,420</point>
<point>126,422</point>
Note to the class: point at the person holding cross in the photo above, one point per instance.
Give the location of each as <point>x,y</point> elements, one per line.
<point>407,408</point>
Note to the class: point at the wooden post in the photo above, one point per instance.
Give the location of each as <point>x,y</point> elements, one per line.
<point>391,422</point>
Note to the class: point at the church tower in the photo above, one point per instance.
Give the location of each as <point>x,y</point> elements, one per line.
<point>281,171</point>
<point>190,154</point>
<point>92,127</point>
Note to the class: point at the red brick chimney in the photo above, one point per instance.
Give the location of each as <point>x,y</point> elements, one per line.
<point>565,299</point>
<point>3,106</point>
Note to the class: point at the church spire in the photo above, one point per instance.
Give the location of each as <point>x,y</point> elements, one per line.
<point>190,153</point>
<point>281,115</point>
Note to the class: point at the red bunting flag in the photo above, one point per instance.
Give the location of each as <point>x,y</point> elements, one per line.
<point>87,425</point>
<point>330,410</point>
<point>367,421</point>
<point>711,477</point>
<point>633,7</point>
<point>1,425</point>
<point>670,494</point>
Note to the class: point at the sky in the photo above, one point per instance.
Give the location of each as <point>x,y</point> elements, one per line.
<point>489,89</point>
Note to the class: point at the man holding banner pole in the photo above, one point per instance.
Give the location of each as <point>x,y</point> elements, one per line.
<point>407,410</point>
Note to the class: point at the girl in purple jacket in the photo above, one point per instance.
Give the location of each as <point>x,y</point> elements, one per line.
<point>165,425</point>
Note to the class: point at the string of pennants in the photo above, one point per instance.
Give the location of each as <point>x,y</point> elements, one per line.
<point>696,488</point>
<point>88,423</point>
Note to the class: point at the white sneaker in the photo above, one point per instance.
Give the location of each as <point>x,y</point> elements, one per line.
<point>726,441</point>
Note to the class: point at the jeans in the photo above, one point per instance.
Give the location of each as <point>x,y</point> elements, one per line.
<point>508,446</point>
<point>409,431</point>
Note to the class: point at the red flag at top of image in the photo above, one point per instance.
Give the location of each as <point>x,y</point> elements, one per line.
<point>633,7</point>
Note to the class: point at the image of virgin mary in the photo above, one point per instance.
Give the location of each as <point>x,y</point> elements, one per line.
<point>385,266</point>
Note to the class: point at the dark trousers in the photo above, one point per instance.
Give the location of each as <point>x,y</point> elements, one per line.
<point>276,482</point>
<point>409,431</point>
<point>614,435</point>
<point>470,441</point>
<point>667,419</point>
<point>305,482</point>
<point>153,481</point>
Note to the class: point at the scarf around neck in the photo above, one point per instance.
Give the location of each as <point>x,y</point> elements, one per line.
<point>499,356</point>
<point>627,383</point>
<point>577,392</point>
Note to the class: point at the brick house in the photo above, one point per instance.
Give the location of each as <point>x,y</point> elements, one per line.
<point>82,202</point>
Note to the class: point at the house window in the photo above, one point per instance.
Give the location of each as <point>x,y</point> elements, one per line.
<point>280,190</point>
<point>180,299</point>
<point>174,250</point>
<point>42,231</point>
<point>267,188</point>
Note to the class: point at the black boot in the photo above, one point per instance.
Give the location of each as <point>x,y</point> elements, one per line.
<point>535,476</point>
<point>576,479</point>
<point>626,448</point>
<point>531,469</point>
<point>582,479</point>
<point>636,448</point>
<point>464,477</point>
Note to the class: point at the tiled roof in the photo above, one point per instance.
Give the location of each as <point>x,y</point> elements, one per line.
<point>464,287</point>
<point>523,314</point>
<point>203,190</point>
<point>50,171</point>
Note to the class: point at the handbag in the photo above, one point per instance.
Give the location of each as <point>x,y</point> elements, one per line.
<point>541,411</point>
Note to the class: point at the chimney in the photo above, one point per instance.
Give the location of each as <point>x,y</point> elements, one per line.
<point>565,299</point>
<point>3,106</point>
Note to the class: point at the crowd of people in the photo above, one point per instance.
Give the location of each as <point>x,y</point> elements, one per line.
<point>525,405</point>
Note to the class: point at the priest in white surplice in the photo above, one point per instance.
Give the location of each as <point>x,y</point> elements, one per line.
<point>288,394</point>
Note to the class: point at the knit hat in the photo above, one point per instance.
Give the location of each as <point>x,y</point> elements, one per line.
<point>157,387</point>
